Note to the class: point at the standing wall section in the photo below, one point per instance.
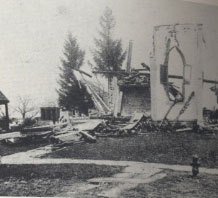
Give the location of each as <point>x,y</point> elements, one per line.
<point>189,39</point>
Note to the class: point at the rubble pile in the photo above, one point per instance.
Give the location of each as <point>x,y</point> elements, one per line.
<point>210,128</point>
<point>93,128</point>
<point>86,131</point>
<point>75,133</point>
<point>139,123</point>
<point>79,131</point>
<point>135,79</point>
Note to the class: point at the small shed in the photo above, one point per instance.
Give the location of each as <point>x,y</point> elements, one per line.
<point>50,113</point>
<point>4,122</point>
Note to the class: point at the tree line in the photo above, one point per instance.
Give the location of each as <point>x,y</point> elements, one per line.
<point>108,55</point>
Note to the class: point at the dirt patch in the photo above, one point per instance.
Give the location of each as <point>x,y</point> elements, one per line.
<point>48,180</point>
<point>151,147</point>
<point>177,184</point>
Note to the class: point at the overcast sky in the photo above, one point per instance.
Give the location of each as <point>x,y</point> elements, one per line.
<point>33,33</point>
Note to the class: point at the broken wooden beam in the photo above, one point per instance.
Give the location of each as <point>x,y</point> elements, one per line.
<point>188,129</point>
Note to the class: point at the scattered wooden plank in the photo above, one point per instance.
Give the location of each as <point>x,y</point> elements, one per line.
<point>37,129</point>
<point>10,135</point>
<point>184,129</point>
<point>43,128</point>
<point>76,133</point>
<point>87,136</point>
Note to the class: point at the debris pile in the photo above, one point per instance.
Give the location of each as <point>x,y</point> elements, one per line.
<point>134,80</point>
<point>26,138</point>
<point>79,131</point>
<point>139,123</point>
<point>210,128</point>
<point>75,133</point>
<point>30,135</point>
<point>86,131</point>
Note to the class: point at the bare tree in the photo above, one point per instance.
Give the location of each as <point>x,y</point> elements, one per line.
<point>25,107</point>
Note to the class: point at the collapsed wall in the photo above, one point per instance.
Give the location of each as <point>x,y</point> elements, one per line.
<point>135,101</point>
<point>132,94</point>
<point>176,72</point>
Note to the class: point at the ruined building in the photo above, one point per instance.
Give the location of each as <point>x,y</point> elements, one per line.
<point>129,90</point>
<point>173,88</point>
<point>132,94</point>
<point>177,73</point>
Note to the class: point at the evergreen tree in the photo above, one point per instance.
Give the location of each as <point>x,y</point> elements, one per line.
<point>72,93</point>
<point>108,54</point>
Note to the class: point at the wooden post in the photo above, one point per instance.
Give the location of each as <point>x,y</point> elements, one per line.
<point>128,66</point>
<point>7,117</point>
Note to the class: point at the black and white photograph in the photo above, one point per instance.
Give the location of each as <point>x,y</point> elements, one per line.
<point>109,98</point>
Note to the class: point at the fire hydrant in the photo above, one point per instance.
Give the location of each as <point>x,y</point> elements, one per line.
<point>195,165</point>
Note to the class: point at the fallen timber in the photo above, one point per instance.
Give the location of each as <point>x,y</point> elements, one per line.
<point>30,135</point>
<point>208,129</point>
<point>136,124</point>
<point>76,133</point>
<point>42,128</point>
<point>93,128</point>
<point>20,138</point>
<point>88,130</point>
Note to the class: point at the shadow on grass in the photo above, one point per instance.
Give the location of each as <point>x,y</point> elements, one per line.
<point>49,179</point>
<point>177,184</point>
<point>151,147</point>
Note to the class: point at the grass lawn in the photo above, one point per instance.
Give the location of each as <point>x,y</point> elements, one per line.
<point>11,149</point>
<point>48,180</point>
<point>177,184</point>
<point>150,147</point>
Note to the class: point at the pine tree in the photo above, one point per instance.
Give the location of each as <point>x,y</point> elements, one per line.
<point>72,94</point>
<point>108,54</point>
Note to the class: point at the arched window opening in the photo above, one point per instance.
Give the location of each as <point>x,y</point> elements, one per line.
<point>175,70</point>
<point>173,74</point>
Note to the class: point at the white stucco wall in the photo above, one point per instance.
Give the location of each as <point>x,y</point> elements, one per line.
<point>190,40</point>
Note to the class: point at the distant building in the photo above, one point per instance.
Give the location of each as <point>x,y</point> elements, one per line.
<point>50,113</point>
